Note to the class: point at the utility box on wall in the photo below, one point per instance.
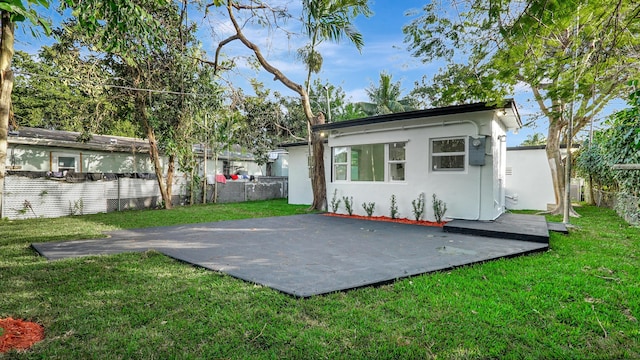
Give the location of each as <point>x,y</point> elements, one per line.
<point>477,150</point>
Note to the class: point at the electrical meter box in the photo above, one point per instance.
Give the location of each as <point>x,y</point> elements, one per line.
<point>477,148</point>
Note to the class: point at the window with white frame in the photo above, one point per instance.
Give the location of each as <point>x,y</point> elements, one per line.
<point>340,163</point>
<point>369,162</point>
<point>448,154</point>
<point>397,158</point>
<point>65,162</point>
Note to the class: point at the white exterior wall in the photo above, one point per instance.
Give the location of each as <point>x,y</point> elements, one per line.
<point>529,184</point>
<point>300,192</point>
<point>469,194</point>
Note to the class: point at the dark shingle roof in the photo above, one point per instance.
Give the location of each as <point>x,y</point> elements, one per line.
<point>58,138</point>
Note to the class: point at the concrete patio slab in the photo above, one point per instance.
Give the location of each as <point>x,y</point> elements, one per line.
<point>304,255</point>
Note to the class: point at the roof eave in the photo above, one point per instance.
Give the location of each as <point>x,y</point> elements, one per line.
<point>139,147</point>
<point>512,117</point>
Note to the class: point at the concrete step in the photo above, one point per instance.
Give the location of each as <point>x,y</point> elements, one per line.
<point>508,226</point>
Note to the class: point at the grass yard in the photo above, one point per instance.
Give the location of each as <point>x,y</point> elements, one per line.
<point>579,300</point>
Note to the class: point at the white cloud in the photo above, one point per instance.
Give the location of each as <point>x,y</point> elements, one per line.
<point>356,95</point>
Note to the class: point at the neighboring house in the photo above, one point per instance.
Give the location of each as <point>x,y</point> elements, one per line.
<point>456,152</point>
<point>529,182</point>
<point>278,163</point>
<point>31,149</point>
<point>50,174</point>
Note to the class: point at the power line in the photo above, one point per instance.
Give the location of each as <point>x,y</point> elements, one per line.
<point>122,87</point>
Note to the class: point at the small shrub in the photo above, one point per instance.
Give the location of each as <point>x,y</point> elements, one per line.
<point>394,208</point>
<point>348,204</point>
<point>335,202</point>
<point>439,208</point>
<point>368,208</point>
<point>418,207</point>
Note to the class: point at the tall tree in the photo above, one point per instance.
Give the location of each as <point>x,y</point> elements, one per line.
<point>12,12</point>
<point>574,56</point>
<point>263,123</point>
<point>157,71</point>
<point>385,97</point>
<point>335,17</point>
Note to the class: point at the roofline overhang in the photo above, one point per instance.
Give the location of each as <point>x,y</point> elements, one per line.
<point>138,147</point>
<point>511,120</point>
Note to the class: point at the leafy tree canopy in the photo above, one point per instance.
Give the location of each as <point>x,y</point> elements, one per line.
<point>574,56</point>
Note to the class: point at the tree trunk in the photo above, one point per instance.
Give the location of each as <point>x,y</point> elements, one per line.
<point>318,182</point>
<point>592,197</point>
<point>6,86</point>
<point>557,168</point>
<point>555,163</point>
<point>154,152</point>
<point>171,170</point>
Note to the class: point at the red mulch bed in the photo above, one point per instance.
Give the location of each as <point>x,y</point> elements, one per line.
<point>388,219</point>
<point>19,334</point>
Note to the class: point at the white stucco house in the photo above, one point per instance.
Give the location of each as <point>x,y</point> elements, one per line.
<point>456,152</point>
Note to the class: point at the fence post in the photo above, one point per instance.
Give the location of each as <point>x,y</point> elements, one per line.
<point>119,194</point>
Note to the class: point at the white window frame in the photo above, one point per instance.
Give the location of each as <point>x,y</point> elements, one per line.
<point>56,161</point>
<point>334,164</point>
<point>392,162</point>
<point>387,161</point>
<point>463,153</point>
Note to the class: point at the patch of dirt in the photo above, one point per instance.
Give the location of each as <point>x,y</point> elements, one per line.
<point>19,334</point>
<point>388,219</point>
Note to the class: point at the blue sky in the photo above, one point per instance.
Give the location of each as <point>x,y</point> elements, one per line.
<point>344,66</point>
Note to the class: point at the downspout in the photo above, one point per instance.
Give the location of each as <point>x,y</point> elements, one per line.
<point>479,196</point>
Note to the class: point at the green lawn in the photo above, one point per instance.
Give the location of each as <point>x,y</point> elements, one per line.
<point>579,300</point>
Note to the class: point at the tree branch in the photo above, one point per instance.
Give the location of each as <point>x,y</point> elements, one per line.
<point>278,75</point>
<point>540,101</point>
<point>216,65</point>
<point>289,131</point>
